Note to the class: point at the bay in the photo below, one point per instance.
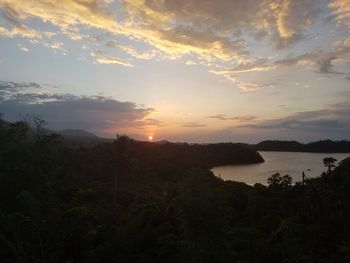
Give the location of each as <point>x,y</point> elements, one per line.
<point>292,163</point>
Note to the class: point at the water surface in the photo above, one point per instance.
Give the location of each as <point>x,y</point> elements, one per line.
<point>292,163</point>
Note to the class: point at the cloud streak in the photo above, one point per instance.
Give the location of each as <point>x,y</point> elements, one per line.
<point>224,117</point>
<point>113,60</point>
<point>193,125</point>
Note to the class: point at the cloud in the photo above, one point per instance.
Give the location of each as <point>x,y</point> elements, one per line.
<point>114,60</point>
<point>248,86</point>
<point>99,114</point>
<point>292,18</point>
<point>258,65</point>
<point>193,125</point>
<point>64,14</point>
<point>70,16</point>
<point>221,117</point>
<point>190,62</point>
<point>131,50</point>
<point>341,11</point>
<point>326,66</point>
<point>333,121</point>
<point>322,61</point>
<point>244,86</point>
<point>206,28</point>
<point>23,32</point>
<point>101,57</point>
<point>97,52</point>
<point>283,22</point>
<point>153,122</point>
<point>209,32</point>
<point>224,117</point>
<point>14,18</point>
<point>17,86</point>
<point>24,49</point>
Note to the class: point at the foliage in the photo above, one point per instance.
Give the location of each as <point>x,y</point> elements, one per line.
<point>329,162</point>
<point>128,201</point>
<point>276,180</point>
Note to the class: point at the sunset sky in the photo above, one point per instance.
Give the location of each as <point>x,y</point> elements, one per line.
<point>179,70</point>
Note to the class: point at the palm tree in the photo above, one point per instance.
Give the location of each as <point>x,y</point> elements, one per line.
<point>120,160</point>
<point>330,163</point>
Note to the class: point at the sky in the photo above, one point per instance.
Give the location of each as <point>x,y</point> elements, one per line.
<point>179,70</point>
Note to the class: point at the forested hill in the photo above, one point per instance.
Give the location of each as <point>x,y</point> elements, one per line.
<point>325,146</point>
<point>192,155</point>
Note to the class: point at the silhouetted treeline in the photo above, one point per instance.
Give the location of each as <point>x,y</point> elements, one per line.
<point>325,146</point>
<point>139,202</point>
<point>192,155</point>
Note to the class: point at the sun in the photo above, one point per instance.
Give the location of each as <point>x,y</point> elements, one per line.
<point>150,137</point>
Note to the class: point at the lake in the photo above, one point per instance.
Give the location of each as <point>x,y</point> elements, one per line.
<point>292,163</point>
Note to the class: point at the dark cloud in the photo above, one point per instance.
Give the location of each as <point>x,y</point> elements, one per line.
<point>332,122</point>
<point>329,123</point>
<point>306,125</point>
<point>326,66</point>
<point>95,113</point>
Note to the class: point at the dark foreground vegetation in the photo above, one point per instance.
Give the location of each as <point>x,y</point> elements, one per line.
<point>325,146</point>
<point>139,202</point>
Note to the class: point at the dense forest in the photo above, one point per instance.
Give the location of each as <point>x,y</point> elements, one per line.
<point>129,201</point>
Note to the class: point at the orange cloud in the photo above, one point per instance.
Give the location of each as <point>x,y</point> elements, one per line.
<point>341,9</point>
<point>213,32</point>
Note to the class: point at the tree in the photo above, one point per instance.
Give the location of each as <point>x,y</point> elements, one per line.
<point>279,180</point>
<point>274,180</point>
<point>286,180</point>
<point>120,160</point>
<point>329,162</point>
<point>303,176</point>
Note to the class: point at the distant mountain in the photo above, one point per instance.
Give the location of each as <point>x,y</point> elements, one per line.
<point>280,146</point>
<point>328,146</point>
<point>76,133</point>
<point>75,138</point>
<point>324,146</point>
